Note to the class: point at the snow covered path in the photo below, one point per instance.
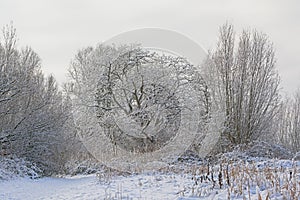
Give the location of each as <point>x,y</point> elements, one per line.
<point>90,187</point>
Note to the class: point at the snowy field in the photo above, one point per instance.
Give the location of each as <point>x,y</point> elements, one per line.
<point>272,179</point>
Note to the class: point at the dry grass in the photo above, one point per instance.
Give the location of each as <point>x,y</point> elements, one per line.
<point>243,179</point>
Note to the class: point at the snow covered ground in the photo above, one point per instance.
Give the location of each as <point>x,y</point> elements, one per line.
<point>276,179</point>
<point>89,187</point>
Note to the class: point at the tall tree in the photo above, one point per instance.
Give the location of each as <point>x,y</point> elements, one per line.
<point>244,84</point>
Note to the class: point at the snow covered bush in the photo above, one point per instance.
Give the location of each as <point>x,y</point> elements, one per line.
<point>13,167</point>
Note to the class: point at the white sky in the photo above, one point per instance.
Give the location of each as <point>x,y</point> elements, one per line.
<point>57,29</point>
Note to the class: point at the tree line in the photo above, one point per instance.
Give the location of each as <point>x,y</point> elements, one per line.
<point>44,124</point>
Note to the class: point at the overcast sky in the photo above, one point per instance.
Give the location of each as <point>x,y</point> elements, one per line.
<point>57,29</point>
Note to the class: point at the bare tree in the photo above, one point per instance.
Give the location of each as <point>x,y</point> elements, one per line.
<point>244,84</point>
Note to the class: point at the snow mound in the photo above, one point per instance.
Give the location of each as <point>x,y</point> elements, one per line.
<point>266,150</point>
<point>13,167</point>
